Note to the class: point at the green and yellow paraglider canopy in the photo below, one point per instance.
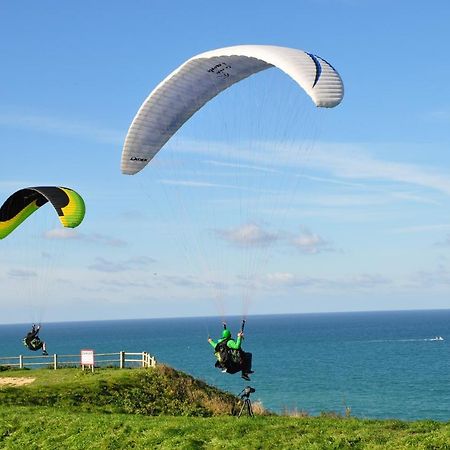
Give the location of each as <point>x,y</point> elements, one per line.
<point>19,206</point>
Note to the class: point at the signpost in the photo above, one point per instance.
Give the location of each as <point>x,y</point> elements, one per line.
<point>87,359</point>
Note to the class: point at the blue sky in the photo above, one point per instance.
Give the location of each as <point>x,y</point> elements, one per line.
<point>337,210</point>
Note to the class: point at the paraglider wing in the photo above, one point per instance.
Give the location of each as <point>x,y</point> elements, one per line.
<point>68,204</point>
<point>204,76</point>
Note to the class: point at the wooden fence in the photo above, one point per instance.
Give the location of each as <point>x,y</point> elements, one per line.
<point>119,359</point>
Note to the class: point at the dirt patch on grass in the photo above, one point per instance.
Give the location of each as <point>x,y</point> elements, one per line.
<point>15,381</point>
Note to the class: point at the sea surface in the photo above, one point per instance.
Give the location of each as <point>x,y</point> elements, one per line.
<point>379,364</point>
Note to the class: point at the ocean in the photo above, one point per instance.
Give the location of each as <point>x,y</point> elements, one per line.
<point>379,364</point>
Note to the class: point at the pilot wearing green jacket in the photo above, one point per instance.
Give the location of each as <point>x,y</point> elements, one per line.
<point>229,354</point>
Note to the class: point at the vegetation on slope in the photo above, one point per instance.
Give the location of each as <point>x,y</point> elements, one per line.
<point>161,390</point>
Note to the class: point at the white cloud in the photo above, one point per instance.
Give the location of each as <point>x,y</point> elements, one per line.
<point>290,280</point>
<point>445,242</point>
<point>155,280</point>
<point>431,278</point>
<point>96,238</point>
<point>125,283</point>
<point>368,281</point>
<point>183,281</point>
<point>62,234</point>
<point>136,263</point>
<point>422,228</point>
<point>411,197</point>
<point>104,265</point>
<point>241,166</point>
<point>281,277</point>
<point>311,243</point>
<point>197,184</point>
<point>211,185</point>
<point>349,161</point>
<point>355,162</point>
<point>104,240</point>
<point>331,181</point>
<point>22,273</point>
<point>253,235</point>
<point>247,235</point>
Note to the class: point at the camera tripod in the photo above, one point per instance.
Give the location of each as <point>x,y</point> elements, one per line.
<point>247,406</point>
<point>247,403</point>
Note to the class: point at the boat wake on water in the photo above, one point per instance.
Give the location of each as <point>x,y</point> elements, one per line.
<point>436,338</point>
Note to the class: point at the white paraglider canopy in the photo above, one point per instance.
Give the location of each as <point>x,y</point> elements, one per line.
<point>204,76</point>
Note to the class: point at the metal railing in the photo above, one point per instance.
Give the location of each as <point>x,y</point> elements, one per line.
<point>119,359</point>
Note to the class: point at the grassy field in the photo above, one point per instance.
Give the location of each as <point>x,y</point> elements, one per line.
<point>164,408</point>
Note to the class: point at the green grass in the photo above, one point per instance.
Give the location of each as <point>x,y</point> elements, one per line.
<point>111,409</point>
<point>45,427</point>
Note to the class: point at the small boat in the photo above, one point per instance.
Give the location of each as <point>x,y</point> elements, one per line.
<point>438,338</point>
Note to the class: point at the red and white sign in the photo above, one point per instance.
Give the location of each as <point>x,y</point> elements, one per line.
<point>87,358</point>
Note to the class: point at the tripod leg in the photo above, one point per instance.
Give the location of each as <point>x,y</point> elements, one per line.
<point>242,409</point>
<point>249,407</point>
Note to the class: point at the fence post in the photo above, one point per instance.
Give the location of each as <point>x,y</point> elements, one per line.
<point>121,360</point>
<point>20,361</point>
<point>144,359</point>
<point>55,361</point>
